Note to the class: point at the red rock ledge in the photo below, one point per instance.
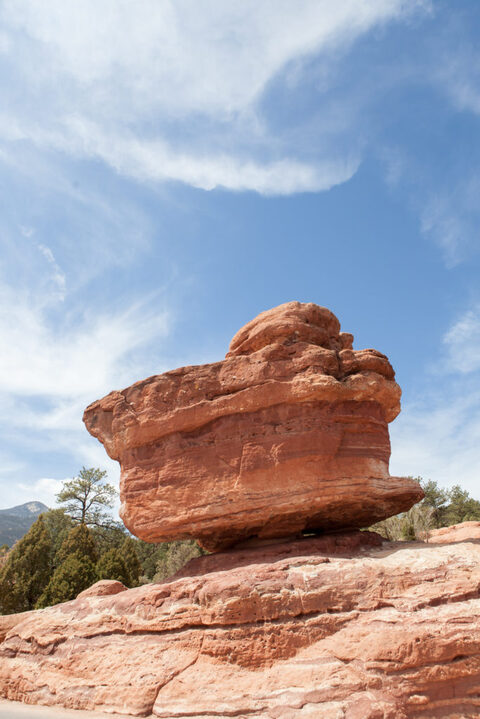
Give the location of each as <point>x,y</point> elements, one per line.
<point>288,434</point>
<point>335,626</point>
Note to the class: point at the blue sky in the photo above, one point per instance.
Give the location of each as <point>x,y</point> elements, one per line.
<point>170,169</point>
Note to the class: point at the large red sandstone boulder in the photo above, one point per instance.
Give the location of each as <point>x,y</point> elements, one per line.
<point>287,434</point>
<point>326,627</point>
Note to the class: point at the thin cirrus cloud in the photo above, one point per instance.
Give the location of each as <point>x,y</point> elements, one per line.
<point>77,361</point>
<point>451,216</point>
<point>436,435</point>
<point>462,343</point>
<point>49,373</point>
<point>447,207</point>
<point>126,75</point>
<point>459,76</point>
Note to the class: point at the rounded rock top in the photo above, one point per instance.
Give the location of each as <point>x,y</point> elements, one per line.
<point>289,323</point>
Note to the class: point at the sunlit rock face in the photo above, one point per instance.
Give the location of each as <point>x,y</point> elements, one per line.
<point>288,434</point>
<point>320,628</point>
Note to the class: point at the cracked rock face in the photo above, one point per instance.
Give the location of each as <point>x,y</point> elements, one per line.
<point>288,434</point>
<point>338,626</point>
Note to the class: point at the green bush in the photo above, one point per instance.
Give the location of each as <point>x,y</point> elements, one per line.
<point>175,557</point>
<point>75,574</point>
<point>112,566</point>
<point>129,555</point>
<point>26,571</point>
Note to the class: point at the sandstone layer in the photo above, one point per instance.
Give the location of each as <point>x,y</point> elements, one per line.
<point>288,434</point>
<point>340,626</point>
<point>455,533</point>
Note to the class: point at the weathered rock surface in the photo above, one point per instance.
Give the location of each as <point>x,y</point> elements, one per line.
<point>455,533</point>
<point>103,588</point>
<point>330,627</point>
<point>287,434</point>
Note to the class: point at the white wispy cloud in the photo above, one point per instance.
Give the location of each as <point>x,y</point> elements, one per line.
<point>50,369</point>
<point>459,75</point>
<point>58,276</point>
<point>437,438</point>
<point>462,343</point>
<point>179,57</point>
<point>81,359</point>
<point>436,435</point>
<point>451,218</point>
<point>447,205</point>
<point>154,160</point>
<point>170,90</point>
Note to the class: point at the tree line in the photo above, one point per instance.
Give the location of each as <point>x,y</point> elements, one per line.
<point>439,508</point>
<point>70,548</point>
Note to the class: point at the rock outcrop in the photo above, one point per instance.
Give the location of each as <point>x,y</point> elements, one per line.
<point>288,434</point>
<point>339,626</point>
<point>455,533</point>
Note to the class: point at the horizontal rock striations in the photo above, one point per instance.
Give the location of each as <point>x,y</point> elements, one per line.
<point>288,434</point>
<point>332,626</point>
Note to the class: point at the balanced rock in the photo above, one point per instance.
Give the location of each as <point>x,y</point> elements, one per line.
<point>288,434</point>
<point>324,627</point>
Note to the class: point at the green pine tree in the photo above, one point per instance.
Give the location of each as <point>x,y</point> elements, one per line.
<point>111,537</point>
<point>462,507</point>
<point>178,554</point>
<point>132,563</point>
<point>87,498</point>
<point>26,571</point>
<point>58,525</point>
<point>79,541</point>
<point>150,555</point>
<point>436,498</point>
<point>74,574</point>
<point>111,566</point>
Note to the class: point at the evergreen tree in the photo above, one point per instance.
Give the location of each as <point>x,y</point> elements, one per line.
<point>150,555</point>
<point>461,507</point>
<point>111,566</point>
<point>132,563</point>
<point>79,542</point>
<point>177,555</point>
<point>70,578</point>
<point>27,570</point>
<point>58,525</point>
<point>111,537</point>
<point>436,498</point>
<point>408,528</point>
<point>85,497</point>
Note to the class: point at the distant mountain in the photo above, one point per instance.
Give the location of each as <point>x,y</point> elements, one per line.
<point>16,521</point>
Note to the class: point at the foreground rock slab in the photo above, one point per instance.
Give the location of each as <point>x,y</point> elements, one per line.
<point>288,434</point>
<point>336,626</point>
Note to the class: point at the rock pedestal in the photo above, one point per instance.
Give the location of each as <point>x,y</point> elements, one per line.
<point>288,434</point>
<point>339,626</point>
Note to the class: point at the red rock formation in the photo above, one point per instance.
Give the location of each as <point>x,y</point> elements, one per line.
<point>287,434</point>
<point>455,533</point>
<point>330,627</point>
<point>103,588</point>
